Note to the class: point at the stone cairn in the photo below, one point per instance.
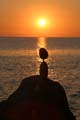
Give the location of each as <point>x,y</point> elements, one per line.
<point>43,66</point>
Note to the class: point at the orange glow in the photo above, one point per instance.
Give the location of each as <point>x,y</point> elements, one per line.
<point>42,22</point>
<point>53,20</point>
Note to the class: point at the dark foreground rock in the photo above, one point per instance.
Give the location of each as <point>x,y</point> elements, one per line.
<point>37,99</point>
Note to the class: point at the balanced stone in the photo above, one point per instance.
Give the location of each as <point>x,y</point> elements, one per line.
<point>43,53</point>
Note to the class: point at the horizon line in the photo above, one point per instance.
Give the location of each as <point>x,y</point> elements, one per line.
<point>40,36</point>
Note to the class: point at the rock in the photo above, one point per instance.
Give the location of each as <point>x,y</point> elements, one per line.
<point>43,53</point>
<point>37,99</point>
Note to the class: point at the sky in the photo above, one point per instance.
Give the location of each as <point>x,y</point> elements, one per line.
<point>19,18</point>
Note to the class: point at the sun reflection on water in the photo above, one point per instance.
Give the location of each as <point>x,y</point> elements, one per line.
<point>41,42</point>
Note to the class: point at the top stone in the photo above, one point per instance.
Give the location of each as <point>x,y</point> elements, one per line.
<point>43,53</point>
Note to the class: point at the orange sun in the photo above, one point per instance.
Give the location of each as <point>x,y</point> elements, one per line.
<point>42,22</point>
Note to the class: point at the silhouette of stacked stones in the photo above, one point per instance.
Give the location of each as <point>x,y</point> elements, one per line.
<point>43,67</point>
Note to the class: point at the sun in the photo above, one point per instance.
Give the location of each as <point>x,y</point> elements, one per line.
<point>42,22</point>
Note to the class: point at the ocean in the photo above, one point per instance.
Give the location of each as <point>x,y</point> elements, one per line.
<point>19,59</point>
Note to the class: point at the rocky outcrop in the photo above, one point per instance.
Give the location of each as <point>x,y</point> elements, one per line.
<point>35,99</point>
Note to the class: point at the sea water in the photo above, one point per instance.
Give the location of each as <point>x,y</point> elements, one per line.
<point>19,59</point>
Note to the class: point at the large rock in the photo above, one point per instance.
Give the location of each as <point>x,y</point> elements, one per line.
<point>37,99</point>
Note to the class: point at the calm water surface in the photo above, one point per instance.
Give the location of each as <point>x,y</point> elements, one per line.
<point>19,59</point>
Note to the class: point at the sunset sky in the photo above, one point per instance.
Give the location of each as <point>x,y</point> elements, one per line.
<point>20,18</point>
